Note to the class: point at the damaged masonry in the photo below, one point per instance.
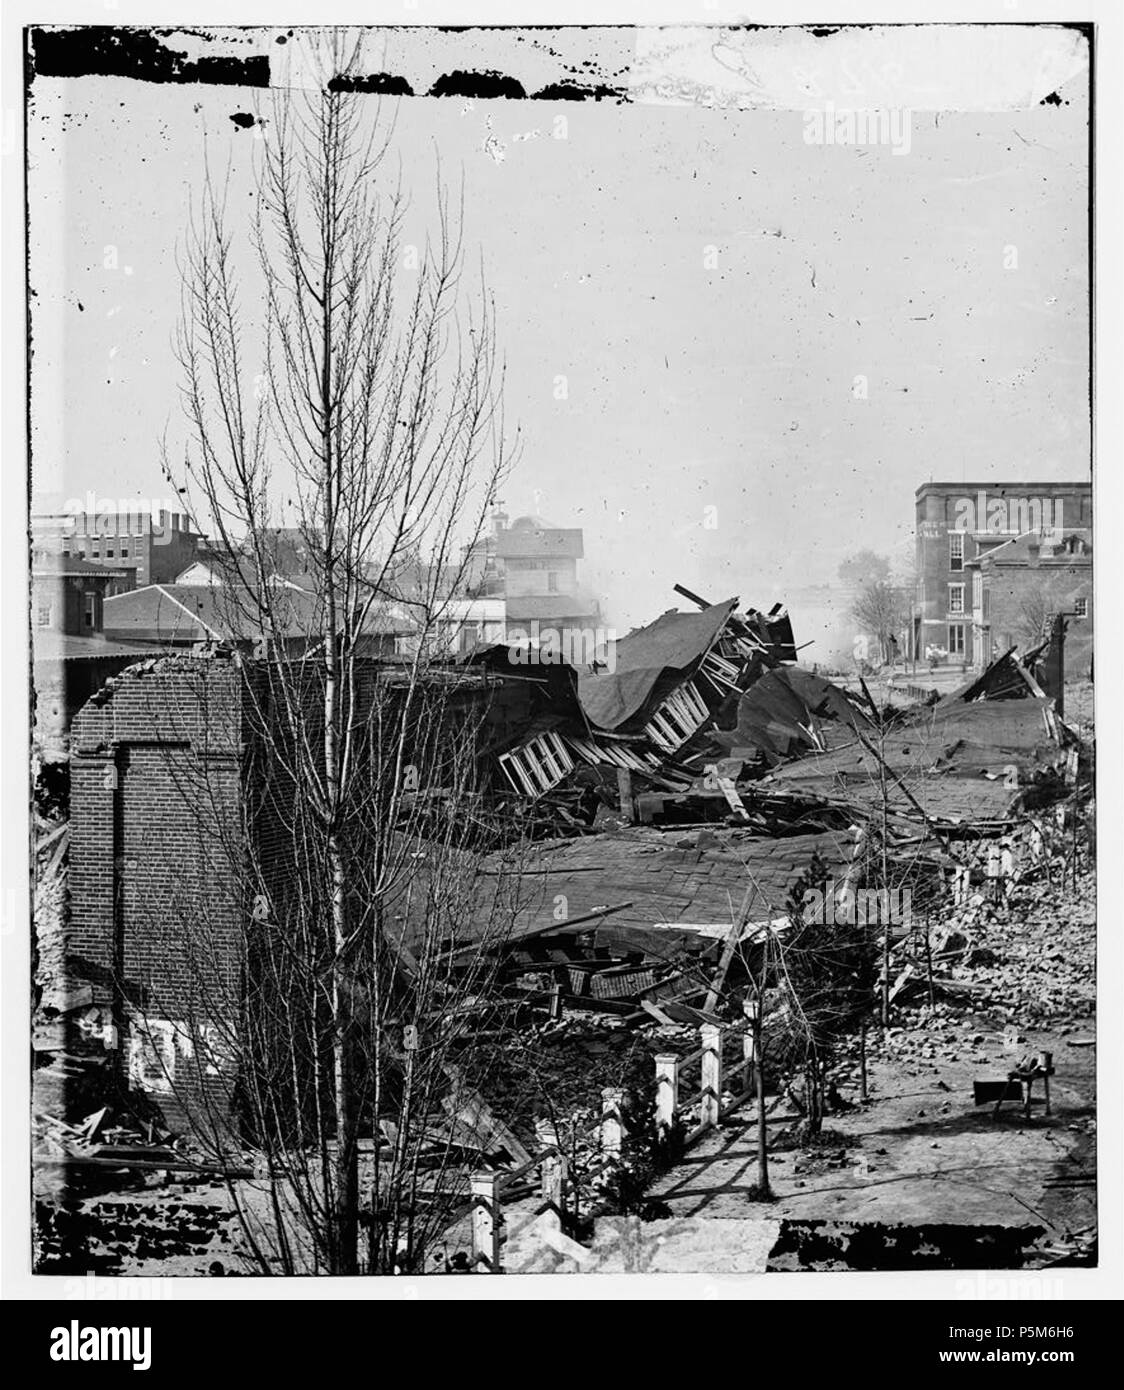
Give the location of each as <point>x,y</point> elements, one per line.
<point>643,851</point>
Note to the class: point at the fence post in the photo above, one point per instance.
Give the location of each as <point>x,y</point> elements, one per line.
<point>667,1093</point>
<point>553,1172</point>
<point>711,1108</point>
<point>485,1223</point>
<point>1047,1064</point>
<point>612,1127</point>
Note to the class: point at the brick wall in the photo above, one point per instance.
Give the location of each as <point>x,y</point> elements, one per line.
<point>1057,587</point>
<point>173,796</point>
<point>167,555</point>
<point>154,879</point>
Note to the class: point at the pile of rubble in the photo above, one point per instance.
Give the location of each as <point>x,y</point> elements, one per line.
<point>1033,964</point>
<point>705,717</point>
<point>1010,971</point>
<point>706,771</point>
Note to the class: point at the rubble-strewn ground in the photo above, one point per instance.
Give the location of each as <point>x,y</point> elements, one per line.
<point>920,1151</point>
<point>916,1174</point>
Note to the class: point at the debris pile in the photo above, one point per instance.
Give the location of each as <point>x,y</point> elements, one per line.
<point>705,717</point>
<point>732,768</point>
<point>638,714</point>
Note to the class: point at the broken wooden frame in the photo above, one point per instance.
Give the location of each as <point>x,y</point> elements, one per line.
<point>681,715</point>
<point>537,765</point>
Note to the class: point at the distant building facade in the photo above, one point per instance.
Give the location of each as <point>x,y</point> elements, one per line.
<point>989,554</point>
<point>1030,580</point>
<point>483,570</point>
<point>68,594</point>
<point>541,591</point>
<point>71,655</point>
<point>148,546</point>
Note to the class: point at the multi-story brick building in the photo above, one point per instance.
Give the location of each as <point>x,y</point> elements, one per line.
<point>149,546</point>
<point>979,546</point>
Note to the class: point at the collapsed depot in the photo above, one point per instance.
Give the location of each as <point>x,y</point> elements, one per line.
<point>665,810</point>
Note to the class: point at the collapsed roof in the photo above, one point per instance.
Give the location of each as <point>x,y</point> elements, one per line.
<point>675,643</point>
<point>185,614</point>
<point>786,711</point>
<point>966,763</point>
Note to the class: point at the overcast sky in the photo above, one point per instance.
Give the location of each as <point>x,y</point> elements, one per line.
<point>710,285</point>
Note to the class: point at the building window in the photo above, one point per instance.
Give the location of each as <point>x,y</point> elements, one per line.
<point>109,552</point>
<point>551,582</point>
<point>44,615</point>
<point>986,605</point>
<point>956,551</point>
<point>90,610</point>
<point>956,643</point>
<point>956,598</point>
<point>1081,607</point>
<point>124,550</point>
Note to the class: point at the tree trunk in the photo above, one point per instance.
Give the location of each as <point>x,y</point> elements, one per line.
<point>762,1126</point>
<point>346,1175</point>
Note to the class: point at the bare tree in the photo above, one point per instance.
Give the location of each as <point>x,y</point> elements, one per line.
<point>1032,619</point>
<point>367,399</point>
<point>882,609</point>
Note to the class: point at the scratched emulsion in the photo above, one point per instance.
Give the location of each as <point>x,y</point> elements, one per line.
<point>922,67</point>
<point>983,67</point>
<point>147,55</point>
<point>548,65</point>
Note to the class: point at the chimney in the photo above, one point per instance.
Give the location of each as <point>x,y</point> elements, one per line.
<point>499,519</point>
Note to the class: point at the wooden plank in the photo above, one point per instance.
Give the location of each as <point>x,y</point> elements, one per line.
<point>472,1111</point>
<point>143,1165</point>
<point>657,1013</point>
<point>719,979</point>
